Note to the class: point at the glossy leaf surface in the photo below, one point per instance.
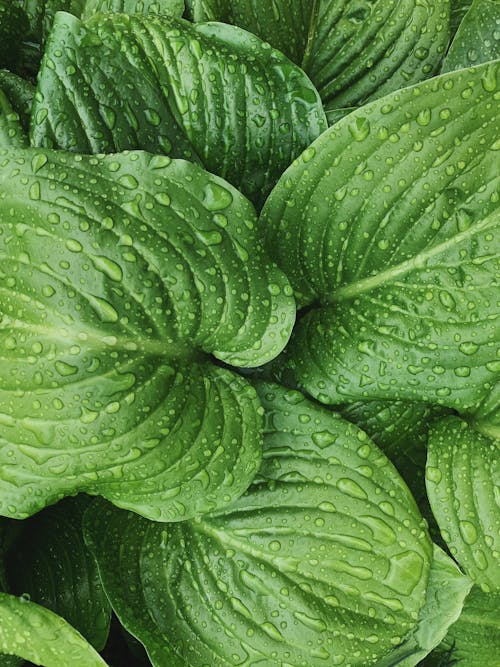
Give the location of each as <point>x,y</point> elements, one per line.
<point>388,227</point>
<point>37,634</point>
<point>324,560</point>
<point>353,51</point>
<point>478,38</point>
<point>121,275</point>
<point>463,483</point>
<point>210,93</point>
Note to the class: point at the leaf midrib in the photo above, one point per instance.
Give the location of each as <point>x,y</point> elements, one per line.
<point>349,292</point>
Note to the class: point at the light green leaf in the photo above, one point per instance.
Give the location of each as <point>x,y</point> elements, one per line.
<point>170,7</point>
<point>37,634</point>
<point>478,38</point>
<point>446,591</point>
<point>50,563</point>
<point>388,227</point>
<point>210,93</point>
<point>353,51</point>
<point>463,481</point>
<point>474,640</point>
<point>120,276</point>
<point>325,559</point>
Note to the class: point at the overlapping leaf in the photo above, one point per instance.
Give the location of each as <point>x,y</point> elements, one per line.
<point>37,634</point>
<point>50,563</point>
<point>446,591</point>
<point>478,38</point>
<point>325,559</point>
<point>353,51</point>
<point>16,97</point>
<point>474,640</point>
<point>388,227</point>
<point>463,482</point>
<point>120,275</point>
<point>209,93</point>
<point>170,7</point>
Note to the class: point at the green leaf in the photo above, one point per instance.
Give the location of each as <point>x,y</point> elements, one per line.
<point>14,26</point>
<point>463,480</point>
<point>41,14</point>
<point>51,564</point>
<point>120,276</point>
<point>325,557</point>
<point>11,131</point>
<point>459,9</point>
<point>170,7</point>
<point>474,640</point>
<point>388,227</point>
<point>211,93</point>
<point>20,94</point>
<point>353,51</point>
<point>37,634</point>
<point>478,38</point>
<point>401,430</point>
<point>446,591</point>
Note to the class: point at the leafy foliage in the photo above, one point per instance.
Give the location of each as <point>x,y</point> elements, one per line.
<point>463,478</point>
<point>304,567</point>
<point>387,226</point>
<point>478,37</point>
<point>81,107</point>
<point>353,51</point>
<point>50,564</point>
<point>107,388</point>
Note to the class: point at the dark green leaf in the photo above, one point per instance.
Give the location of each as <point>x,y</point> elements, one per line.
<point>210,93</point>
<point>459,9</point>
<point>41,14</point>
<point>463,479</point>
<point>120,276</point>
<point>325,559</point>
<point>14,26</point>
<point>353,51</point>
<point>388,226</point>
<point>37,634</point>
<point>478,38</point>
<point>51,564</point>
<point>170,7</point>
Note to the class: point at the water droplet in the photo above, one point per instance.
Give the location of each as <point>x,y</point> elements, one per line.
<point>323,439</point>
<point>468,532</point>
<point>351,488</point>
<point>216,197</point>
<point>108,267</point>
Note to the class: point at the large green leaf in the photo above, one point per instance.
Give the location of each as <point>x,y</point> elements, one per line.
<point>463,483</point>
<point>120,275</point>
<point>211,93</point>
<point>353,51</point>
<point>170,7</point>
<point>478,38</point>
<point>325,559</point>
<point>37,634</point>
<point>388,227</point>
<point>474,640</point>
<point>446,591</point>
<point>50,563</point>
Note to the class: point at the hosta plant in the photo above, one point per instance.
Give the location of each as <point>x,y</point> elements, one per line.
<point>249,340</point>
